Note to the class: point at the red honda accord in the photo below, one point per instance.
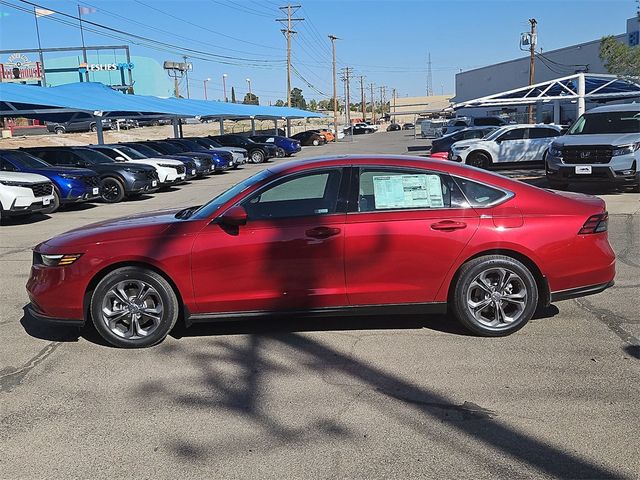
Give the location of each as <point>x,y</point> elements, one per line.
<point>348,235</point>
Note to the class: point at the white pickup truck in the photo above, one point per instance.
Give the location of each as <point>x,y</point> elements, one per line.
<point>23,193</point>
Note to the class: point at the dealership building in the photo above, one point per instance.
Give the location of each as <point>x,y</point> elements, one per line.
<point>478,90</point>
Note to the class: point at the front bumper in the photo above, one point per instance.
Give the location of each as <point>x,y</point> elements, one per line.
<point>620,171</point>
<point>62,322</point>
<point>26,206</point>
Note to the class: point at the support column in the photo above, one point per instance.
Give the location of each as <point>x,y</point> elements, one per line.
<point>556,112</point>
<point>99,131</point>
<point>288,127</point>
<point>176,130</point>
<point>275,126</point>
<point>253,126</point>
<point>221,126</point>
<point>581,92</point>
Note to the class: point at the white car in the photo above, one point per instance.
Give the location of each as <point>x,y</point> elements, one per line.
<point>169,171</point>
<point>23,193</point>
<point>511,143</point>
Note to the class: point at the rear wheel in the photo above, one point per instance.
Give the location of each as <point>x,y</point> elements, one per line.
<point>59,130</point>
<point>93,127</point>
<point>494,295</point>
<point>133,307</point>
<point>280,153</point>
<point>316,142</point>
<point>479,160</point>
<point>55,203</point>
<point>257,156</point>
<point>112,190</point>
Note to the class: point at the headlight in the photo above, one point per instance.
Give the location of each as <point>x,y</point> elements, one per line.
<point>554,151</point>
<point>462,147</point>
<point>69,176</point>
<point>133,170</point>
<point>167,165</point>
<point>14,184</point>
<point>626,149</point>
<point>55,260</point>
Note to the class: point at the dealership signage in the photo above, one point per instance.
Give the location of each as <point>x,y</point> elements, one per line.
<point>19,68</point>
<point>105,67</point>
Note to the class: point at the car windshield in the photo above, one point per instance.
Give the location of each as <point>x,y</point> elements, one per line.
<point>92,157</point>
<point>206,211</point>
<point>606,122</point>
<point>130,152</point>
<point>26,160</point>
<point>167,148</point>
<point>190,144</point>
<point>213,143</point>
<point>144,150</point>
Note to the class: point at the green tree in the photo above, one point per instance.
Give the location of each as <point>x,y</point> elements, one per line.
<point>233,95</point>
<point>251,99</point>
<point>618,58</point>
<point>313,105</point>
<point>297,99</point>
<point>280,103</point>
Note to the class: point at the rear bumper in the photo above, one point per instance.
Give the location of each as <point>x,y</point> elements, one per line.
<point>580,291</point>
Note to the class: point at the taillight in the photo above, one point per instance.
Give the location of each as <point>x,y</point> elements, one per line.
<point>595,224</point>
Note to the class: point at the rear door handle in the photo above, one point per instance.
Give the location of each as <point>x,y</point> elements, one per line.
<point>448,225</point>
<point>322,232</point>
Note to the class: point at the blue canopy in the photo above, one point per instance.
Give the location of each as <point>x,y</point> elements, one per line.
<point>96,99</point>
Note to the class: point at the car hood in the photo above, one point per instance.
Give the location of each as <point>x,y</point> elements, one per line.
<point>22,177</point>
<point>156,161</point>
<point>614,139</point>
<point>461,143</point>
<point>66,170</point>
<point>129,228</point>
<point>232,149</point>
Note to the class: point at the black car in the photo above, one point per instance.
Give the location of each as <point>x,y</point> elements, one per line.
<point>204,164</point>
<point>88,125</point>
<point>118,180</point>
<point>443,144</point>
<point>258,152</point>
<point>309,138</point>
<point>408,126</point>
<point>147,151</point>
<point>394,127</point>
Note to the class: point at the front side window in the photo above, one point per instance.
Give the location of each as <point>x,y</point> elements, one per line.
<point>514,134</point>
<point>402,189</point>
<point>6,166</point>
<point>309,194</point>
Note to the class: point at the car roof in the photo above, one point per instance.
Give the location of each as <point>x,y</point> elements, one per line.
<point>528,125</point>
<point>625,107</point>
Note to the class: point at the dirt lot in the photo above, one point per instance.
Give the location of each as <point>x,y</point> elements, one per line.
<point>380,397</point>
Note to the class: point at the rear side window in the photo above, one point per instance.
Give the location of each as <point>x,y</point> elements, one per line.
<point>542,133</point>
<point>483,121</point>
<point>479,195</point>
<point>391,189</point>
<point>6,166</point>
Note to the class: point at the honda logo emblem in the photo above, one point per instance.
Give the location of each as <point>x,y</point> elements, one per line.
<point>585,154</point>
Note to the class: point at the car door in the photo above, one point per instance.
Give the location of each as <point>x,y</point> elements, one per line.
<point>288,256</point>
<point>540,139</point>
<point>513,146</point>
<point>403,233</point>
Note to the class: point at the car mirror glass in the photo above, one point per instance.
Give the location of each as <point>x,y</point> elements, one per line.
<point>234,217</point>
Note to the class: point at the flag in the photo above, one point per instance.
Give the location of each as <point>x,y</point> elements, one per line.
<point>43,12</point>
<point>86,10</point>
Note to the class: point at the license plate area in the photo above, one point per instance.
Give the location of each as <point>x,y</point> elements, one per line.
<point>583,170</point>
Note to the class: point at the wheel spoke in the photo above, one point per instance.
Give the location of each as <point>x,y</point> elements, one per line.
<point>480,282</point>
<point>481,305</point>
<point>120,294</point>
<point>143,293</point>
<point>504,280</point>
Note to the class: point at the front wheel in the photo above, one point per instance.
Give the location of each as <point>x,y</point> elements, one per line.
<point>257,156</point>
<point>494,295</point>
<point>59,130</point>
<point>55,203</point>
<point>112,190</point>
<point>479,160</point>
<point>316,142</point>
<point>133,307</point>
<point>93,127</point>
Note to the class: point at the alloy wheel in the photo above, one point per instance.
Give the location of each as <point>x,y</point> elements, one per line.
<point>132,309</point>
<point>497,298</point>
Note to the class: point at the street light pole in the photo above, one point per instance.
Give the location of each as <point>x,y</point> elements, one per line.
<point>205,87</point>
<point>333,39</point>
<point>250,94</point>
<point>224,86</point>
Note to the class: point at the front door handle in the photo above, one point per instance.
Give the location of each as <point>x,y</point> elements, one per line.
<point>322,232</point>
<point>448,225</point>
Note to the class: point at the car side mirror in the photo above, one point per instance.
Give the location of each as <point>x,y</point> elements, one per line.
<point>233,217</point>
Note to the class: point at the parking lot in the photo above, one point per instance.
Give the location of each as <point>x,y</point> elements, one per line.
<point>375,397</point>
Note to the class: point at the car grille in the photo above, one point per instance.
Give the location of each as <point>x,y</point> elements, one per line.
<point>152,175</point>
<point>41,189</point>
<point>91,180</point>
<point>587,155</point>
<point>180,169</point>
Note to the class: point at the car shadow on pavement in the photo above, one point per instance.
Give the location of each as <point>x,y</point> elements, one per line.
<point>633,350</point>
<point>24,219</point>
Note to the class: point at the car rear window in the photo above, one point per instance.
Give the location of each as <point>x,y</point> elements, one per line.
<point>480,195</point>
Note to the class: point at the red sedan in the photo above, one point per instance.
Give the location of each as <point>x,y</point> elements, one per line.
<point>330,236</point>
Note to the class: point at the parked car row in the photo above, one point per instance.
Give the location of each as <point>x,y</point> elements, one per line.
<point>42,179</point>
<point>90,125</point>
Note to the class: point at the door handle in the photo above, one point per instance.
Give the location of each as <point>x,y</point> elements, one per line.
<point>322,232</point>
<point>448,225</point>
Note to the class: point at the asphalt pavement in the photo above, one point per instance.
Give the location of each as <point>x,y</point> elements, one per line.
<point>379,397</point>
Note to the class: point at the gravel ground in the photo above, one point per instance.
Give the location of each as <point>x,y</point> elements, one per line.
<point>380,397</point>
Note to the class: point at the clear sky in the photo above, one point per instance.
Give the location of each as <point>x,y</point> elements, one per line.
<point>387,41</point>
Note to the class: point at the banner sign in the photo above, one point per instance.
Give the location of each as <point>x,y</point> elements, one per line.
<point>18,68</point>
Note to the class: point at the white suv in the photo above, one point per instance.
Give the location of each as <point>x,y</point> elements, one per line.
<point>511,143</point>
<point>23,193</point>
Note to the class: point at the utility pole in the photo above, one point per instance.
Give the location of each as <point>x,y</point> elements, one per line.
<point>429,78</point>
<point>532,60</point>
<point>362,103</point>
<point>333,39</point>
<point>291,9</point>
<point>186,74</point>
<point>346,72</point>
<point>393,93</point>
<point>373,105</point>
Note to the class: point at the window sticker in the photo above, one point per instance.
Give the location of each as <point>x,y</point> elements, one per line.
<point>407,191</point>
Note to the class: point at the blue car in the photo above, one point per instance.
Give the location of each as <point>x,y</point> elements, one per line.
<point>71,184</point>
<point>222,160</point>
<point>286,146</point>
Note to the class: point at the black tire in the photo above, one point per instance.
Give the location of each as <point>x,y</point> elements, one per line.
<point>467,287</point>
<point>111,190</point>
<point>256,156</point>
<point>58,130</point>
<point>54,205</point>
<point>479,160</point>
<point>316,142</point>
<point>93,127</point>
<point>161,297</point>
<point>280,153</point>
